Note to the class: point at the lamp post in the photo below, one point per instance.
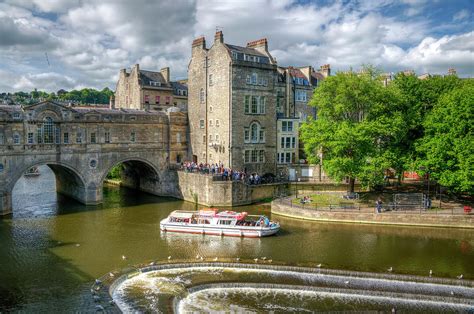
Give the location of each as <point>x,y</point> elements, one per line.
<point>296,185</point>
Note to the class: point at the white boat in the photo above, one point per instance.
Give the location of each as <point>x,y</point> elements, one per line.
<point>224,223</point>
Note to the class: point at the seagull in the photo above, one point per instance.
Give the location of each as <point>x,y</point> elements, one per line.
<point>319,265</point>
<point>202,258</point>
<point>256,260</point>
<point>460,276</point>
<point>197,256</point>
<point>111,275</point>
<point>215,259</point>
<point>98,282</point>
<point>78,245</point>
<point>264,258</point>
<point>390,269</point>
<point>169,257</point>
<point>452,292</point>
<point>238,259</point>
<point>431,272</point>
<point>152,264</point>
<point>270,260</point>
<point>124,257</point>
<point>346,282</point>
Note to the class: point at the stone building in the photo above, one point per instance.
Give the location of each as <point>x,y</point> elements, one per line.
<point>232,104</point>
<point>145,90</point>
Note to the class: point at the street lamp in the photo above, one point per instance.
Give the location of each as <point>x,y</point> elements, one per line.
<point>296,185</point>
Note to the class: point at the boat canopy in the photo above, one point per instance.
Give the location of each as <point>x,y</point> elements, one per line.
<point>181,214</point>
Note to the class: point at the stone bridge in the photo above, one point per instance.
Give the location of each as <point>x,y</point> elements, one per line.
<point>82,144</point>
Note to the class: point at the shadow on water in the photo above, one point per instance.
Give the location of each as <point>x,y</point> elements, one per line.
<point>33,278</point>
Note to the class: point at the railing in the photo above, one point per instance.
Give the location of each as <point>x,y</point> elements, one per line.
<point>368,208</point>
<point>220,176</point>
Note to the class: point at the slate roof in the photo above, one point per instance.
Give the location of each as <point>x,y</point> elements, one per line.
<point>246,50</point>
<point>147,76</point>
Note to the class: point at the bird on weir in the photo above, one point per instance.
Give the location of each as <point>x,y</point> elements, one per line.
<point>319,265</point>
<point>124,257</point>
<point>390,269</point>
<point>169,257</point>
<point>460,276</point>
<point>431,272</point>
<point>256,260</point>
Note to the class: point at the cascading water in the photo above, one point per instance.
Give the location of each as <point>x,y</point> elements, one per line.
<point>188,287</point>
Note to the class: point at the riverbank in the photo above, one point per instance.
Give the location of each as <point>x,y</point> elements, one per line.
<point>283,207</point>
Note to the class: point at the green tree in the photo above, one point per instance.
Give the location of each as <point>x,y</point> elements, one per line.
<point>447,148</point>
<point>356,126</point>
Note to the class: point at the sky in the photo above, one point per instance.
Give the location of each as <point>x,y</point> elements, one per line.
<point>71,44</point>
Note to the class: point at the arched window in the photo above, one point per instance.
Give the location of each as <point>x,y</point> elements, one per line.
<point>201,95</point>
<point>48,130</point>
<point>254,131</point>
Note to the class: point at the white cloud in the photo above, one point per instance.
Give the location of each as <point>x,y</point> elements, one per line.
<point>462,15</point>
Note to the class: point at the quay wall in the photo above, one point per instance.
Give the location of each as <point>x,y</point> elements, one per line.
<point>365,217</point>
<point>205,190</point>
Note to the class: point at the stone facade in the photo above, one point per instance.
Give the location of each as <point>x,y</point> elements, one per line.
<point>232,105</point>
<point>81,145</point>
<point>145,90</point>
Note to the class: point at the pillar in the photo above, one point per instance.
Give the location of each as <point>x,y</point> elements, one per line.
<point>5,203</point>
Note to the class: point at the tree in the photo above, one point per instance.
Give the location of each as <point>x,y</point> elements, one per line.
<point>356,126</point>
<point>447,148</point>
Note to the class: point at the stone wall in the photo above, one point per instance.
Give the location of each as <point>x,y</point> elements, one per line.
<point>202,189</point>
<point>388,218</point>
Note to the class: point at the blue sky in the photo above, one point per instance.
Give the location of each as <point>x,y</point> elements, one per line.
<point>88,41</point>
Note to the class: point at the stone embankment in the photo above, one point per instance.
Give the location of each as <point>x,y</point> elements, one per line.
<point>283,207</point>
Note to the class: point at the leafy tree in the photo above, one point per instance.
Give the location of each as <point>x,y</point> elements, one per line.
<point>356,126</point>
<point>447,148</point>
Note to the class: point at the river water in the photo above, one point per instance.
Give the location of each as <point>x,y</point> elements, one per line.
<point>52,248</point>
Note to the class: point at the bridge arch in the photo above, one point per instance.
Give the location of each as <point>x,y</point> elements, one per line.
<point>137,173</point>
<point>69,181</point>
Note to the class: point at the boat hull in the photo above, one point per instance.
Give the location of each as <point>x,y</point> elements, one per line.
<point>230,231</point>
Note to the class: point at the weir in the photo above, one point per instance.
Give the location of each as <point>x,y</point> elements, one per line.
<point>201,278</point>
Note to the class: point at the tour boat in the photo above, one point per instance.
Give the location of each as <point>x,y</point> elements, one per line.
<point>224,223</point>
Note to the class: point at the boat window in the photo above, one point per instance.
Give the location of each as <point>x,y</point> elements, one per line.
<point>225,222</point>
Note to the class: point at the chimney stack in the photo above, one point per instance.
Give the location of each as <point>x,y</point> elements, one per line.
<point>219,37</point>
<point>112,102</point>
<point>452,71</point>
<point>261,45</point>
<point>199,43</point>
<point>325,70</point>
<point>166,74</point>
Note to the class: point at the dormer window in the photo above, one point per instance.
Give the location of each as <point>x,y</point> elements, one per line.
<point>251,58</point>
<point>155,83</point>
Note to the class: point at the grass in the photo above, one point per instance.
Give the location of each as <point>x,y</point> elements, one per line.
<point>326,199</point>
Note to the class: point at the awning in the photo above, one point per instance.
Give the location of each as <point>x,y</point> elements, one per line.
<point>184,215</point>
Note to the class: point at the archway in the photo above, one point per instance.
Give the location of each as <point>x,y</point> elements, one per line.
<point>136,173</point>
<point>34,190</point>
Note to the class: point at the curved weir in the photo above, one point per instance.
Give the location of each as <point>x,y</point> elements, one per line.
<point>204,286</point>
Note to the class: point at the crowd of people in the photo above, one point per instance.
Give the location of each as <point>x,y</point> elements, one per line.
<point>226,173</point>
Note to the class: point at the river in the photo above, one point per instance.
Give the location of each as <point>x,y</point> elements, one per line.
<point>52,248</point>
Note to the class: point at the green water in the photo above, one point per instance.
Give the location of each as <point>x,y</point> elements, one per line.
<point>49,257</point>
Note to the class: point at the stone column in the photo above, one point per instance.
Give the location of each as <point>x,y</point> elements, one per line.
<point>6,203</point>
<point>93,195</point>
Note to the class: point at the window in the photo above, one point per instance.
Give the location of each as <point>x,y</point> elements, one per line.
<point>234,55</point>
<point>16,115</point>
<point>16,139</point>
<point>201,95</point>
<point>30,137</point>
<point>157,99</point>
<point>254,156</point>
<point>78,137</point>
<point>246,135</point>
<point>248,80</point>
<point>93,139</point>
<point>147,99</point>
<point>132,137</point>
<point>168,100</point>
<point>287,126</point>
<point>282,145</point>
<point>210,138</point>
<point>251,58</point>
<point>247,104</point>
<point>66,138</point>
<point>204,139</point>
<point>261,156</point>
<point>107,137</point>
<point>217,123</point>
<point>47,131</point>
<point>217,138</point>
<point>2,167</point>
<point>210,108</point>
<point>301,95</point>
<point>254,132</point>
<point>293,142</point>
<point>288,158</point>
<point>290,126</point>
<point>247,156</point>
<point>254,107</point>
<point>201,124</point>
<point>210,122</point>
<point>126,100</point>
<point>155,83</point>
<point>210,79</point>
<point>262,136</point>
<point>254,104</point>
<point>254,78</point>
<point>288,142</point>
<point>261,105</point>
<point>178,137</point>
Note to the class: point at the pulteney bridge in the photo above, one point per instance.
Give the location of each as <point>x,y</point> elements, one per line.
<point>81,145</point>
